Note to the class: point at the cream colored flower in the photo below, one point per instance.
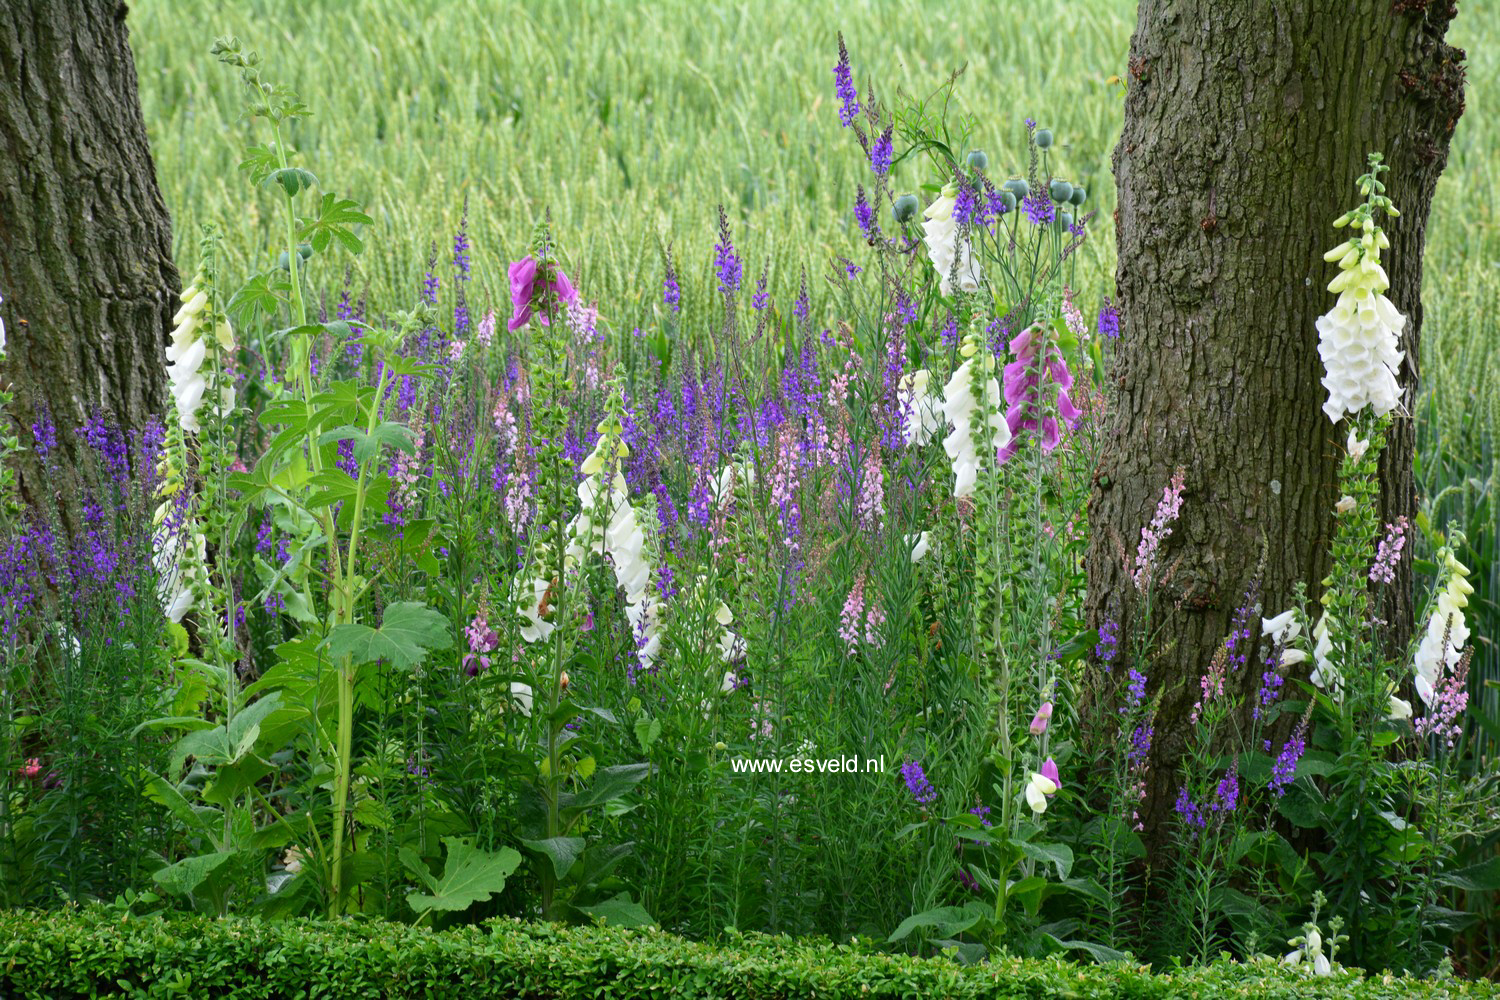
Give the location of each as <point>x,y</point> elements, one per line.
<point>1358,337</point>
<point>943,245</point>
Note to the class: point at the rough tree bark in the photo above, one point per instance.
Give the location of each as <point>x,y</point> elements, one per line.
<point>1246,124</point>
<point>85,240</point>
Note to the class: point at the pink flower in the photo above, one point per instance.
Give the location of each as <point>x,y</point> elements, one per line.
<point>1049,771</point>
<point>32,769</point>
<point>1023,391</point>
<point>1040,721</point>
<point>526,296</point>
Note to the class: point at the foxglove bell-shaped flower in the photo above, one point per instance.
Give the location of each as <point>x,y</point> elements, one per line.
<point>961,407</point>
<point>943,244</point>
<point>529,291</point>
<point>190,347</point>
<point>1358,337</point>
<point>920,408</point>
<point>1025,392</point>
<point>1447,631</point>
<point>1037,792</point>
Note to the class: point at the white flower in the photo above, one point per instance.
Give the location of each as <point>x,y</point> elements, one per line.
<point>1345,504</point>
<point>530,609</point>
<point>190,384</point>
<point>941,235</point>
<point>1357,447</point>
<point>730,682</point>
<point>1293,957</point>
<point>959,406</point>
<point>1399,709</point>
<point>1358,337</point>
<point>1291,657</point>
<point>176,571</point>
<point>2,328</point>
<point>919,545</point>
<point>1326,675</point>
<point>920,408</point>
<point>1447,630</point>
<point>1037,791</point>
<point>522,695</point>
<point>1321,965</point>
<point>1283,628</point>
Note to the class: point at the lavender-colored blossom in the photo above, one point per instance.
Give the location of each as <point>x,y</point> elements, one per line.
<point>801,308</point>
<point>843,87</point>
<point>1109,320</point>
<point>1191,812</point>
<point>864,214</point>
<point>948,335</point>
<point>1039,210</point>
<point>1388,555</point>
<point>1135,692</point>
<point>43,432</point>
<point>671,291</point>
<point>726,262</point>
<point>967,210</point>
<point>882,151</point>
<point>851,269</point>
<point>1140,744</point>
<point>1285,768</point>
<point>983,812</point>
<point>1227,795</point>
<point>917,783</point>
<point>761,298</point>
<point>1109,643</point>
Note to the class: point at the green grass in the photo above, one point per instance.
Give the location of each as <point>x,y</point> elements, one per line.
<point>631,121</point>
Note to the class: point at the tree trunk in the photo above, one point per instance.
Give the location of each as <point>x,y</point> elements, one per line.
<point>85,240</point>
<point>1246,124</point>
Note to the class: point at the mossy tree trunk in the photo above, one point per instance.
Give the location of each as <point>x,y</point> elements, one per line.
<point>1246,124</point>
<point>85,240</point>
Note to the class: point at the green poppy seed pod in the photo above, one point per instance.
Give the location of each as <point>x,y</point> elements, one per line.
<point>1043,138</point>
<point>304,250</point>
<point>978,160</point>
<point>1064,220</point>
<point>905,208</point>
<point>1019,188</point>
<point>1080,195</point>
<point>1061,191</point>
<point>1008,198</point>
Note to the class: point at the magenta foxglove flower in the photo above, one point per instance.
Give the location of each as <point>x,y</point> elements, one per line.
<point>1049,771</point>
<point>1042,719</point>
<point>1024,390</point>
<point>527,294</point>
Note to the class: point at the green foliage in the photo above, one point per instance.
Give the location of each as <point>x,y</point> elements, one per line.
<point>92,952</point>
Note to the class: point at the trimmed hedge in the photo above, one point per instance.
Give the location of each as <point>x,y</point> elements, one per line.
<point>94,952</point>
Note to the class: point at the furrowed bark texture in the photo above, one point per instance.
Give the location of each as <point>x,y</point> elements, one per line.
<point>1246,124</point>
<point>85,240</point>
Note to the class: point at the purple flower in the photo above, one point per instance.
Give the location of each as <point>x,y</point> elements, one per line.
<point>917,783</point>
<point>1037,360</point>
<point>726,261</point>
<point>983,812</point>
<point>966,207</point>
<point>1227,795</point>
<point>1191,812</point>
<point>761,298</point>
<point>851,269</point>
<point>44,432</point>
<point>1109,643</point>
<point>526,296</point>
<point>1135,693</point>
<point>671,291</point>
<point>843,87</point>
<point>1285,768</point>
<point>1038,209</point>
<point>800,307</point>
<point>1109,320</point>
<point>1140,744</point>
<point>881,153</point>
<point>864,214</point>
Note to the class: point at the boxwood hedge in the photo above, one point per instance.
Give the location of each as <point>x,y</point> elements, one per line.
<point>97,952</point>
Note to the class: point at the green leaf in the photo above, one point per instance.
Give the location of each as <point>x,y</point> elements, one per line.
<point>470,876</point>
<point>620,911</point>
<point>406,634</point>
<point>189,873</point>
<point>611,783</point>
<point>1483,877</point>
<point>945,921</point>
<point>292,180</point>
<point>1060,855</point>
<point>1097,952</point>
<point>561,851</point>
<point>647,732</point>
